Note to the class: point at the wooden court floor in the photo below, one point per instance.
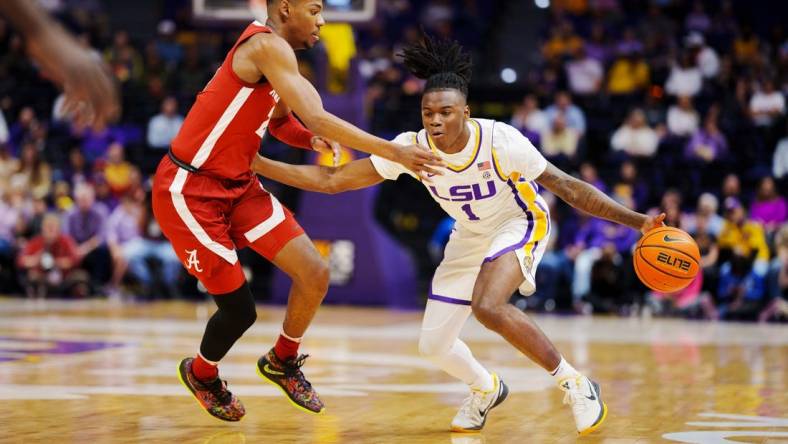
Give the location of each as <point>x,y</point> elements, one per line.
<point>93,372</point>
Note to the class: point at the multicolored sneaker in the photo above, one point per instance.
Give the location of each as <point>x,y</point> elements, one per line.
<point>287,376</point>
<point>213,396</point>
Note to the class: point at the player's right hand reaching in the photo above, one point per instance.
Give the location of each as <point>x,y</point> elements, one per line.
<point>420,160</point>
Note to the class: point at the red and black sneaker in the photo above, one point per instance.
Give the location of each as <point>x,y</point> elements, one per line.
<point>287,376</point>
<point>213,396</point>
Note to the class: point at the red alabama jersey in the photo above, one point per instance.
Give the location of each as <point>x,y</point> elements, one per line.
<point>222,132</point>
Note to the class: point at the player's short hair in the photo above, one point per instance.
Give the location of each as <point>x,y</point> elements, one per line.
<point>444,64</point>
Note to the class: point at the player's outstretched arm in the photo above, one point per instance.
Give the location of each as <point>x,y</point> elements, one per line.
<point>588,198</point>
<point>322,179</point>
<point>89,89</point>
<point>277,62</point>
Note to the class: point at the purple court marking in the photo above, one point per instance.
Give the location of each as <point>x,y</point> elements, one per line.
<point>55,347</point>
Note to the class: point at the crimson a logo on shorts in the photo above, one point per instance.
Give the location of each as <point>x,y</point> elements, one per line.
<point>192,262</point>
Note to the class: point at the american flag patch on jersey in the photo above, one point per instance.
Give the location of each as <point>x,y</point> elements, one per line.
<point>484,165</point>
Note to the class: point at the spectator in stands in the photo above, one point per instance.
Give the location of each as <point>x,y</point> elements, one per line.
<point>585,74</point>
<point>778,280</point>
<point>78,170</point>
<point>559,143</point>
<point>529,119</point>
<point>598,238</point>
<point>164,126</point>
<point>8,165</point>
<point>190,76</point>
<point>86,224</point>
<point>34,172</point>
<point>49,263</point>
<point>151,245</point>
<point>21,131</point>
<point>563,42</point>
<point>635,137</point>
<point>61,196</point>
<point>575,118</point>
<point>123,228</point>
<point>697,19</point>
<point>708,144</point>
<point>629,43</point>
<point>742,291</point>
<point>705,56</point>
<point>628,75</point>
<point>746,47</point>
<point>685,77</point>
<point>597,47</point>
<point>123,59</point>
<point>770,209</point>
<point>166,45</point>
<point>588,173</point>
<point>118,172</point>
<point>631,185</point>
<point>780,159</point>
<point>683,119</point>
<point>744,237</point>
<point>767,105</point>
<point>706,209</point>
<point>731,186</point>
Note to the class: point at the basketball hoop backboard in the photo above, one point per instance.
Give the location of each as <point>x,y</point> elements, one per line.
<point>238,10</point>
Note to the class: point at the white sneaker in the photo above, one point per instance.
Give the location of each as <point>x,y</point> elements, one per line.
<point>474,410</point>
<point>585,398</point>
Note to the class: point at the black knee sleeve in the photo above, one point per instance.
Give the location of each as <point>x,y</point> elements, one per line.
<point>235,315</point>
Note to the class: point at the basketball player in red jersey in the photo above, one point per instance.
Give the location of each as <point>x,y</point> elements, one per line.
<point>209,203</point>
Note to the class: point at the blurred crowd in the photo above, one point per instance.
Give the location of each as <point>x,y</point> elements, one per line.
<point>666,105</point>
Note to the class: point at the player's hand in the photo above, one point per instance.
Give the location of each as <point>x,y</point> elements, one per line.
<point>653,222</point>
<point>327,146</point>
<point>90,91</point>
<point>421,161</point>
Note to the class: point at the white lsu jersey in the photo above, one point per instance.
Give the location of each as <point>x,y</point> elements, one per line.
<point>491,182</point>
<point>489,189</point>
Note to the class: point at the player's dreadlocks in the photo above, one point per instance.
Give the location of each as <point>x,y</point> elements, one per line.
<point>442,63</point>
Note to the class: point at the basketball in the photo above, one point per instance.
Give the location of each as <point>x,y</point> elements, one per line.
<point>666,259</point>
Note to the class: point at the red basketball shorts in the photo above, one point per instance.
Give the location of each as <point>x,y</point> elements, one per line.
<point>208,219</point>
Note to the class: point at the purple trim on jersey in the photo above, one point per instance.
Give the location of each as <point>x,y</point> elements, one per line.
<point>528,232</point>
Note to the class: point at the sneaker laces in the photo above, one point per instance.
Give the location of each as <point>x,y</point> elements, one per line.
<point>471,406</point>
<point>292,368</point>
<point>218,388</point>
<point>572,395</point>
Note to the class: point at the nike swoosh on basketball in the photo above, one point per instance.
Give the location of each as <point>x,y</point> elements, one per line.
<point>667,238</point>
<point>268,369</point>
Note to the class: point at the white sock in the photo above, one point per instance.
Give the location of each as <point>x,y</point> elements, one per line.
<point>564,370</point>
<point>484,383</point>
<point>297,340</point>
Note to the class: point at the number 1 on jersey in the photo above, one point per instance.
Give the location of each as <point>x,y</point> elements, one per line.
<point>469,212</point>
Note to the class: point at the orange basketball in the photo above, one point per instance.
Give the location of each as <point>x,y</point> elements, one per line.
<point>666,259</point>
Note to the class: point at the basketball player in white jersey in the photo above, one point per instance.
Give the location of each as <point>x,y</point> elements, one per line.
<point>490,188</point>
